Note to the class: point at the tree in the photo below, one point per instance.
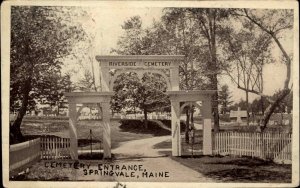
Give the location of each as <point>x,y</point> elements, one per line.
<point>273,23</point>
<point>41,37</point>
<point>86,83</point>
<point>177,33</point>
<point>242,104</point>
<point>150,95</point>
<point>52,93</point>
<point>286,105</point>
<point>124,86</point>
<point>188,31</point>
<point>225,99</point>
<point>210,22</point>
<point>246,52</point>
<point>132,43</point>
<point>146,94</point>
<point>258,105</point>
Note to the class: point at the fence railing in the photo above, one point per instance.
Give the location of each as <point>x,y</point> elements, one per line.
<point>55,148</point>
<point>274,146</point>
<point>23,153</point>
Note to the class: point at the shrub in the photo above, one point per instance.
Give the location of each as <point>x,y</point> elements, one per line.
<point>137,126</point>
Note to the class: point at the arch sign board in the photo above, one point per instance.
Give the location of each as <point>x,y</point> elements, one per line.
<point>165,65</point>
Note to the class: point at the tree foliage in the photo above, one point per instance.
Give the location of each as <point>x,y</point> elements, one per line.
<point>225,99</point>
<point>274,23</point>
<point>41,37</point>
<point>145,94</point>
<point>246,51</point>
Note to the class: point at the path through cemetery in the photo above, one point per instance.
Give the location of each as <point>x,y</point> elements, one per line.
<point>142,154</point>
<point>154,162</point>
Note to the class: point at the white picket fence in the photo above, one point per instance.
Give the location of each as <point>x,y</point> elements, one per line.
<point>23,153</point>
<point>55,148</point>
<point>141,116</point>
<point>275,146</point>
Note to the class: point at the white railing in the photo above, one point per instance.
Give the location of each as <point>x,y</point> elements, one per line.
<point>23,153</point>
<point>55,148</point>
<point>275,146</point>
<point>141,116</point>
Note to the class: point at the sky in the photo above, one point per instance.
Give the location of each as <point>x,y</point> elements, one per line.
<point>106,25</point>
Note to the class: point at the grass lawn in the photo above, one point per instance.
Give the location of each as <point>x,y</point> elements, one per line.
<point>237,169</point>
<point>233,169</point>
<point>59,128</point>
<point>38,172</point>
<point>163,145</point>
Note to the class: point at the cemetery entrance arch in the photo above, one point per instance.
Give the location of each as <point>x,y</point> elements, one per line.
<point>165,65</point>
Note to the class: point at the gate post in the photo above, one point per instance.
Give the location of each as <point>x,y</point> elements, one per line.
<point>73,131</point>
<point>104,78</point>
<point>106,129</point>
<point>174,79</point>
<point>207,127</point>
<point>176,139</point>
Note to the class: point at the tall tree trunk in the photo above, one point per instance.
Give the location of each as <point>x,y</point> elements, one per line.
<point>215,110</point>
<point>192,115</point>
<point>145,119</point>
<point>262,105</point>
<point>269,111</point>
<point>57,112</point>
<point>187,125</point>
<point>247,105</point>
<point>15,129</point>
<point>214,68</point>
<point>208,27</point>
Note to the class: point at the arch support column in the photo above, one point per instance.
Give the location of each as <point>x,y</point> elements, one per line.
<point>174,78</point>
<point>106,129</point>
<point>207,127</point>
<point>105,78</point>
<point>73,130</point>
<point>176,141</point>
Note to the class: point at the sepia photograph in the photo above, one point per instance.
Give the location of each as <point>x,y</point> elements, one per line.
<point>150,93</point>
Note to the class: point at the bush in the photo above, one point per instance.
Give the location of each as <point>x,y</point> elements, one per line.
<point>225,117</point>
<point>137,126</point>
<point>168,124</point>
<point>34,118</point>
<point>255,128</point>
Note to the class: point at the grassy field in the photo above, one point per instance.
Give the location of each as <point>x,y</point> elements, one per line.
<point>233,169</point>
<point>238,170</point>
<point>59,127</point>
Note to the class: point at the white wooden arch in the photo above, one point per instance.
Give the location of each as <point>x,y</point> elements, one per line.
<point>140,64</point>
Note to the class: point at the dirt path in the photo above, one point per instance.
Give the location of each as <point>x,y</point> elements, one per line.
<point>142,152</point>
<point>136,161</point>
<point>151,166</point>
